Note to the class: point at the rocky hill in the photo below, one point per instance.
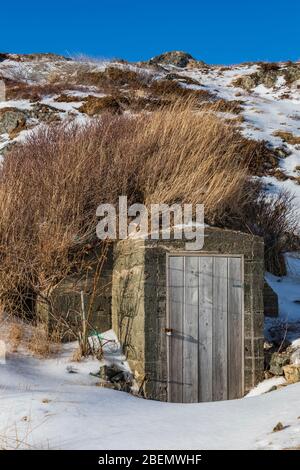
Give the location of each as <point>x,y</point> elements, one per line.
<point>260,99</point>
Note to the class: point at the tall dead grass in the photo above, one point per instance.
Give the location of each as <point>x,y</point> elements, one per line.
<point>51,186</point>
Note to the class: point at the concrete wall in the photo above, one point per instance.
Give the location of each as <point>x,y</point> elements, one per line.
<point>66,298</point>
<point>271,308</point>
<point>139,303</point>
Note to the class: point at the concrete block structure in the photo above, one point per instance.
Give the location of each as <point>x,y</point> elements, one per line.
<point>191,323</point>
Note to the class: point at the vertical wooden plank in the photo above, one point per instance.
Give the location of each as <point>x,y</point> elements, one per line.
<point>220,361</point>
<point>190,330</point>
<point>235,328</point>
<point>205,327</point>
<point>176,304</point>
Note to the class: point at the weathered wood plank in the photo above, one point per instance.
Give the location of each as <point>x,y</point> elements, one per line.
<point>190,330</point>
<point>220,391</point>
<point>176,305</point>
<point>205,327</point>
<point>235,328</point>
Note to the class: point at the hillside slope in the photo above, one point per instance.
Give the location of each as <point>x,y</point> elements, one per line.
<point>262,100</point>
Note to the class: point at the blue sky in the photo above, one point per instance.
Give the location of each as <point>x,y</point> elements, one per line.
<point>215,31</point>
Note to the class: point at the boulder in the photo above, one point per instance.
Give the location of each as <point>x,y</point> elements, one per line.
<point>278,361</point>
<point>177,58</point>
<point>295,357</point>
<point>12,120</point>
<point>44,112</point>
<point>292,373</point>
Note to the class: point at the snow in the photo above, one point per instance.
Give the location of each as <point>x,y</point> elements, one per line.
<point>264,111</point>
<point>288,289</point>
<point>266,386</point>
<point>62,106</point>
<point>43,406</point>
<point>19,104</point>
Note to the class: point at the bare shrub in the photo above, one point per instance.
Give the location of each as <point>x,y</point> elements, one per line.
<point>273,218</point>
<point>51,186</point>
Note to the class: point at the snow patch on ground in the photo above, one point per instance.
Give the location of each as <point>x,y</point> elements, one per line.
<point>43,406</point>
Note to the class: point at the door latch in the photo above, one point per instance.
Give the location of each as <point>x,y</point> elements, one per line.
<point>169,331</point>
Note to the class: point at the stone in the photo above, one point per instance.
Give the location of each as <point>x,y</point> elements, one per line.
<point>292,373</point>
<point>44,112</point>
<point>11,119</point>
<point>178,58</point>
<point>295,357</point>
<point>279,427</point>
<point>278,361</point>
<point>102,374</point>
<point>120,379</point>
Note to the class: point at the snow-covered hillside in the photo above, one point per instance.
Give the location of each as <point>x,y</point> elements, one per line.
<point>269,111</point>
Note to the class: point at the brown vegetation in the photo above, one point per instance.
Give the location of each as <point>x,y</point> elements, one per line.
<point>110,78</point>
<point>63,98</point>
<point>223,106</point>
<point>175,89</point>
<point>27,91</point>
<point>15,336</point>
<point>43,344</point>
<point>94,105</point>
<point>288,137</point>
<point>63,172</point>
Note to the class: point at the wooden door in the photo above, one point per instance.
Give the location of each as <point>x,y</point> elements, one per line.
<point>205,328</point>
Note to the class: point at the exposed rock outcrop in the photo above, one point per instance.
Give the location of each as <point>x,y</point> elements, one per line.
<point>292,373</point>
<point>12,120</point>
<point>268,74</point>
<point>177,58</point>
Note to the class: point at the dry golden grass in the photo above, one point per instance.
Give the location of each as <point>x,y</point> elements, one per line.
<point>174,89</point>
<point>77,355</point>
<point>27,91</point>
<point>288,137</point>
<point>94,105</point>
<point>63,172</point>
<point>15,336</point>
<point>41,344</point>
<point>223,106</point>
<point>108,80</point>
